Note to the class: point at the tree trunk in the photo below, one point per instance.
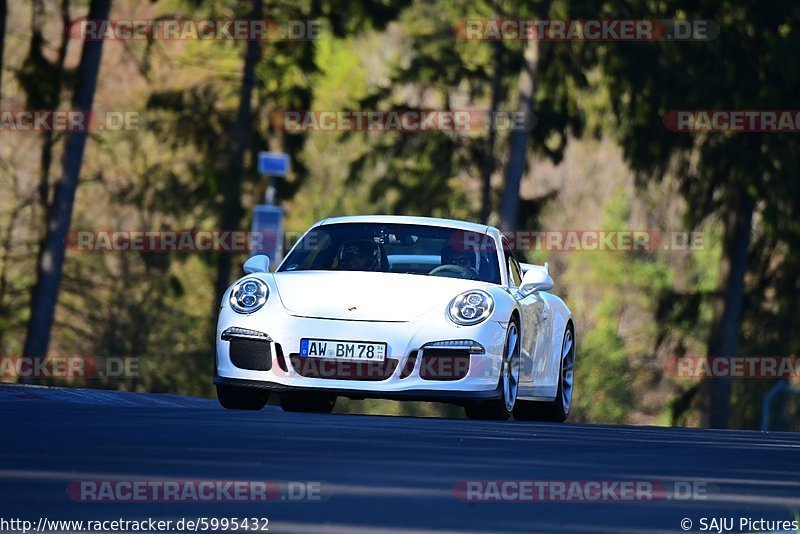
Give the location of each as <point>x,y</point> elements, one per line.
<point>5,251</point>
<point>48,141</point>
<point>518,142</point>
<point>232,205</point>
<point>51,260</point>
<point>724,337</point>
<point>3,15</point>
<point>488,157</point>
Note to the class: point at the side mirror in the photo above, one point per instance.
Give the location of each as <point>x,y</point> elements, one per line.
<point>257,264</point>
<point>536,280</point>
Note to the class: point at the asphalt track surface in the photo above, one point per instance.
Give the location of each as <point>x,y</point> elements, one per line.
<point>375,474</point>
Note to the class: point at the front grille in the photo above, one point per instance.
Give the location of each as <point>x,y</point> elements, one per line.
<point>343,370</point>
<point>444,364</point>
<point>251,354</point>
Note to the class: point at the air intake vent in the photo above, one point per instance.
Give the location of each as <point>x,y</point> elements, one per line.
<point>444,364</point>
<point>251,354</point>
<point>343,370</point>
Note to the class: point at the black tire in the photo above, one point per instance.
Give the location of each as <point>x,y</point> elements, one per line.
<point>554,411</point>
<point>496,409</point>
<point>292,401</point>
<point>239,398</point>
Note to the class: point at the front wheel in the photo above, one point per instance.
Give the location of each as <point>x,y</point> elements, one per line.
<point>502,408</point>
<point>239,398</point>
<point>293,401</point>
<point>556,410</point>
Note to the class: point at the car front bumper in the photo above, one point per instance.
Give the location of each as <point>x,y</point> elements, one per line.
<point>404,378</point>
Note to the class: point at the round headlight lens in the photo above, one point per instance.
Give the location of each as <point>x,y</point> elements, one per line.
<point>249,295</point>
<point>471,307</point>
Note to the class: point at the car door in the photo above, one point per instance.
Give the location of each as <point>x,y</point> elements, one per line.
<point>532,319</point>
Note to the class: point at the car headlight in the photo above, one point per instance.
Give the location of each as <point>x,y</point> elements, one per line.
<point>470,307</point>
<point>248,295</point>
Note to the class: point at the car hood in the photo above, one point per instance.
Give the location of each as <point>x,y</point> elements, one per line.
<point>365,296</point>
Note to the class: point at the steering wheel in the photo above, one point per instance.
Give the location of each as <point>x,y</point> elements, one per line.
<point>455,271</point>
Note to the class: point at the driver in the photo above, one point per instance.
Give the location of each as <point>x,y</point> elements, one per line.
<point>462,258</point>
<point>360,256</point>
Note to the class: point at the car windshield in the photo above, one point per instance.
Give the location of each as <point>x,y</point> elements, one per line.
<point>396,248</point>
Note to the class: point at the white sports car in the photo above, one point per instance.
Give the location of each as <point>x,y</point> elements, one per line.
<point>398,308</point>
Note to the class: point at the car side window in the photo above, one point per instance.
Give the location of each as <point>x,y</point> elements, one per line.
<point>512,266</point>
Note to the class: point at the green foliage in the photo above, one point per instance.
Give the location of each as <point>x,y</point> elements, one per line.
<point>426,172</point>
<point>615,352</point>
<point>603,381</point>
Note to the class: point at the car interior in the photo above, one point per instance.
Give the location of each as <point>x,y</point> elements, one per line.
<point>410,249</point>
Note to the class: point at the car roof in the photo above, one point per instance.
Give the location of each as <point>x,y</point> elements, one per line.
<point>404,219</point>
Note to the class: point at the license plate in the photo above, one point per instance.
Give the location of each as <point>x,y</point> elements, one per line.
<point>343,350</point>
